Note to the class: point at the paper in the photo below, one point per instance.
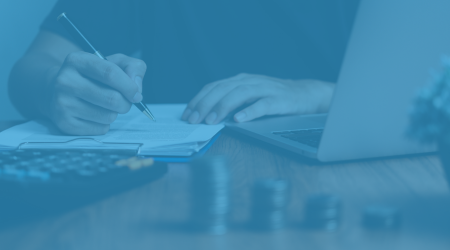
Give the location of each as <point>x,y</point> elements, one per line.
<point>168,136</point>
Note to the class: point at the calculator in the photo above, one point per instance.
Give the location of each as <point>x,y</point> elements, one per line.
<point>40,182</point>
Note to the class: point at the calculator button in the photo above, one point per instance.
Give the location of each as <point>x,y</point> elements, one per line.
<point>9,166</point>
<point>18,173</point>
<point>14,158</point>
<point>85,172</point>
<point>63,161</point>
<point>48,165</point>
<point>72,166</point>
<point>89,154</point>
<point>38,160</point>
<point>57,170</point>
<point>76,158</point>
<point>86,164</point>
<point>100,160</point>
<point>102,169</point>
<point>114,157</point>
<point>24,163</point>
<point>39,174</point>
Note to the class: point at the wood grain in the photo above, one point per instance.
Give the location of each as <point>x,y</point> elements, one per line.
<point>152,216</point>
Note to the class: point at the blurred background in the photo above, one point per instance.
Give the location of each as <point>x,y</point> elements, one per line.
<point>19,23</point>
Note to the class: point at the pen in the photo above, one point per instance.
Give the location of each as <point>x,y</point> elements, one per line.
<point>76,33</point>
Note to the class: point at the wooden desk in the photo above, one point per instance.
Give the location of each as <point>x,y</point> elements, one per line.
<point>146,217</point>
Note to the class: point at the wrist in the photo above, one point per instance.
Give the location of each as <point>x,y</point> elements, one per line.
<point>46,98</point>
<point>326,90</point>
<point>316,96</point>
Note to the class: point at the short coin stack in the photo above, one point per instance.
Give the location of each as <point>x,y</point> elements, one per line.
<point>322,212</point>
<point>210,194</point>
<point>381,217</point>
<point>269,200</point>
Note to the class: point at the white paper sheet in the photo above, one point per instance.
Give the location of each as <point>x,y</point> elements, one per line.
<point>168,136</point>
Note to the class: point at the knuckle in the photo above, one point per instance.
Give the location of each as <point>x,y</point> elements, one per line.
<point>119,55</point>
<point>268,102</point>
<point>245,89</point>
<point>113,100</point>
<point>202,106</point>
<point>73,57</point>
<point>123,109</point>
<point>140,64</point>
<point>61,81</point>
<point>111,117</point>
<point>192,104</point>
<point>61,101</point>
<point>223,107</point>
<point>109,72</point>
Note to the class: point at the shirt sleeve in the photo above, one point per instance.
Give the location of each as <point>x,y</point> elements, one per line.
<point>110,25</point>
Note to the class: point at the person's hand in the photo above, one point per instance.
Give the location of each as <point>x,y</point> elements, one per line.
<point>259,95</point>
<point>87,93</point>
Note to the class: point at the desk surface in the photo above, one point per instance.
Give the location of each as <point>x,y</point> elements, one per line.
<point>144,218</point>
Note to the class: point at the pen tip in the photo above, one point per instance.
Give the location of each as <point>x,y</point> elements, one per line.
<point>149,115</point>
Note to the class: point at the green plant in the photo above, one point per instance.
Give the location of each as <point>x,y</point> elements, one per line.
<point>430,117</point>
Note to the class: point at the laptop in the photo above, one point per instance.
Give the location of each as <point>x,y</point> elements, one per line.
<point>393,47</point>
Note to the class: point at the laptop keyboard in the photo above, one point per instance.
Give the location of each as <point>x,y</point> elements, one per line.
<point>310,137</point>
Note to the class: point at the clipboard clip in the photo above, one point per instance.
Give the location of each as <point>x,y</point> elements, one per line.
<point>67,146</point>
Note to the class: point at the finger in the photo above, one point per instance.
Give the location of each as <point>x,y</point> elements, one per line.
<point>205,90</point>
<point>133,67</point>
<point>191,105</point>
<point>97,94</point>
<point>105,72</point>
<point>75,126</point>
<point>237,97</point>
<point>262,107</point>
<point>93,113</point>
<point>208,102</point>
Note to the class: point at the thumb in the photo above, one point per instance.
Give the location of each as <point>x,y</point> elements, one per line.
<point>133,67</point>
<point>258,109</point>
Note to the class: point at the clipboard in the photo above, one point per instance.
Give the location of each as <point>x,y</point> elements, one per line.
<point>132,148</point>
<point>182,159</point>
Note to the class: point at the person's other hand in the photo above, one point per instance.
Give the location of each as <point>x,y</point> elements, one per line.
<point>261,95</point>
<point>87,93</point>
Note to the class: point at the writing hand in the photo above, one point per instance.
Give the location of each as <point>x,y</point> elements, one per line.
<point>87,93</point>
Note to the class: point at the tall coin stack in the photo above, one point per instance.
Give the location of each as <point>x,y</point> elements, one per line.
<point>269,201</point>
<point>322,212</point>
<point>210,190</point>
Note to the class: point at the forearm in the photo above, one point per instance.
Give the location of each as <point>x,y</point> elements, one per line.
<point>29,82</point>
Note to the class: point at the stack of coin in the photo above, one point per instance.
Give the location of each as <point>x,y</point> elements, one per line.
<point>210,192</point>
<point>322,212</point>
<point>381,217</point>
<point>269,200</point>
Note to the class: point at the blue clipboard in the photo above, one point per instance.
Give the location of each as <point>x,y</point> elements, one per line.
<point>188,158</point>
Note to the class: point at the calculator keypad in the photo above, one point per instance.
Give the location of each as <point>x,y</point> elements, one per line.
<point>29,165</point>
